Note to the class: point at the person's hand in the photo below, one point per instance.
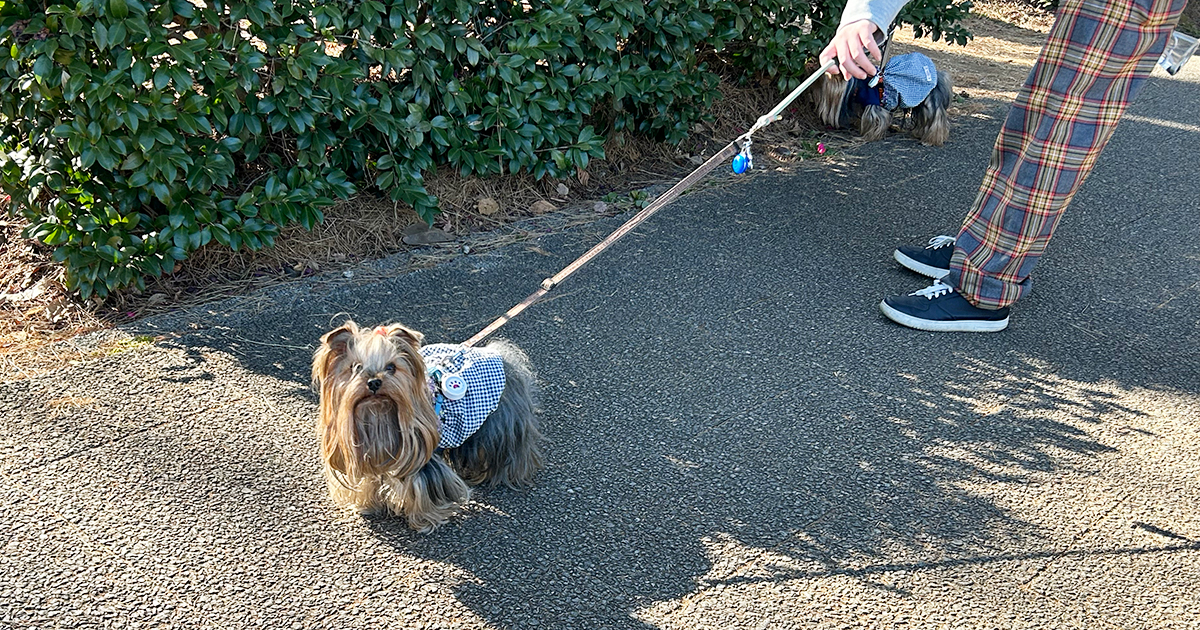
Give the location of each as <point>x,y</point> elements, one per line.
<point>848,46</point>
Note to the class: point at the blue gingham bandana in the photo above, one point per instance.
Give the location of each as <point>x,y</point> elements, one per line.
<point>907,80</point>
<point>484,373</point>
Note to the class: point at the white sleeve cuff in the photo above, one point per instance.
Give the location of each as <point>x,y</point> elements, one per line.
<point>881,12</point>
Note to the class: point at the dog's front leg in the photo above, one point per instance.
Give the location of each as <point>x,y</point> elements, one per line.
<point>428,498</point>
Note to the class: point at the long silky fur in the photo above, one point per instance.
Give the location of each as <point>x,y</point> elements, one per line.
<point>506,449</point>
<point>368,440</point>
<point>931,123</point>
<point>874,122</point>
<point>830,100</point>
<point>430,497</point>
<point>379,451</point>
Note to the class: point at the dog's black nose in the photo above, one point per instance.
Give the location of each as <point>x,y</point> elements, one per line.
<point>374,384</point>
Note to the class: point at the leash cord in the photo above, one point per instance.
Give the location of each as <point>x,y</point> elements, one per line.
<point>773,115</point>
<point>672,194</point>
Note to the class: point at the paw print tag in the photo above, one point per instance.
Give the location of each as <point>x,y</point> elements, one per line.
<point>454,387</point>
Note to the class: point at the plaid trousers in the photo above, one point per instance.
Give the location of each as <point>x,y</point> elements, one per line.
<point>1096,58</point>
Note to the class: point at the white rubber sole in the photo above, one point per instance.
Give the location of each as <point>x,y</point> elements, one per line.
<point>970,325</point>
<point>925,270</point>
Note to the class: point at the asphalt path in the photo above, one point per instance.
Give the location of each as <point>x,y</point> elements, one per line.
<point>736,437</point>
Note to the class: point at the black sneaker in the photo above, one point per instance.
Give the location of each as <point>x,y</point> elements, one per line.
<point>940,308</point>
<point>933,260</point>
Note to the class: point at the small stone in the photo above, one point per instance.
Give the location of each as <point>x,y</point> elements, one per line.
<point>562,190</point>
<point>600,207</point>
<point>487,206</point>
<point>696,159</point>
<point>415,228</point>
<point>157,298</point>
<point>338,257</point>
<point>466,249</point>
<point>541,206</point>
<point>421,234</point>
<point>348,274</point>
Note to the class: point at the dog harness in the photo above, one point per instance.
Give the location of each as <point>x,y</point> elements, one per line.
<point>906,81</point>
<point>466,385</point>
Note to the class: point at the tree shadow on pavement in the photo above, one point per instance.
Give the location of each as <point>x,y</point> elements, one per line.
<point>738,426</point>
<point>854,478</point>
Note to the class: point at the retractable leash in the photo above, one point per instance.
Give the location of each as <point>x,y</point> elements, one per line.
<point>739,149</point>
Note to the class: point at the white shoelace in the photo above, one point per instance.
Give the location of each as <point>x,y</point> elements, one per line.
<point>935,290</point>
<point>939,242</point>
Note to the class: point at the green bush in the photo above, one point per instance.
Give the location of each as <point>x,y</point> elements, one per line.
<point>133,132</point>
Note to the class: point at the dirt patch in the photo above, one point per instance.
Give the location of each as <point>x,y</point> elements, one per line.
<point>1018,13</point>
<point>35,311</point>
<point>992,67</point>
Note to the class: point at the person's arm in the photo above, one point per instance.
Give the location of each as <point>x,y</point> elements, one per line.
<point>855,42</point>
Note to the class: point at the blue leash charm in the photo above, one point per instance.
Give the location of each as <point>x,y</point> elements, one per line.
<point>743,161</point>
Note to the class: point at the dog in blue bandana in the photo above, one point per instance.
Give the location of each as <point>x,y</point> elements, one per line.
<point>907,84</point>
<point>408,428</point>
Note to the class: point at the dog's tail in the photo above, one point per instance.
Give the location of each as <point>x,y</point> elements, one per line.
<point>931,122</point>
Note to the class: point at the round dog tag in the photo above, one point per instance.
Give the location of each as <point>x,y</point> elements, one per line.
<point>454,387</point>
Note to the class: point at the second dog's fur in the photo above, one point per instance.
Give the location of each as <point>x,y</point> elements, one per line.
<point>837,107</point>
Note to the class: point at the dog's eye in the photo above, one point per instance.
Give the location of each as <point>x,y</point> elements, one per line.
<point>357,368</point>
<point>391,367</point>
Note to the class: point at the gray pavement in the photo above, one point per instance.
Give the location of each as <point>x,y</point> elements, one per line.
<point>737,439</point>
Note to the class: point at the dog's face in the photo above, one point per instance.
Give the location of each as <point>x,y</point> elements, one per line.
<point>376,414</point>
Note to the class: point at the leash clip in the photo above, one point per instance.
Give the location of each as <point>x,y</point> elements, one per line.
<point>744,160</point>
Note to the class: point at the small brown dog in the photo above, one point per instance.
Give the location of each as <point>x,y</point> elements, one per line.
<point>407,427</point>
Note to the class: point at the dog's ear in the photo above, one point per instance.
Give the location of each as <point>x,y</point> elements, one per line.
<point>338,340</point>
<point>334,345</point>
<point>405,334</point>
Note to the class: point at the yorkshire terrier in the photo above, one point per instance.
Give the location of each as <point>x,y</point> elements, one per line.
<point>909,84</point>
<point>408,428</point>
